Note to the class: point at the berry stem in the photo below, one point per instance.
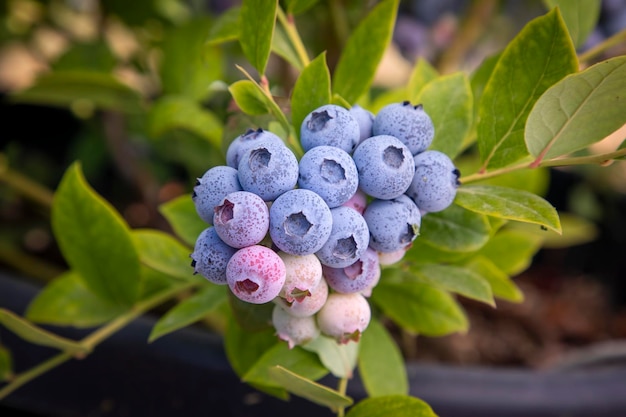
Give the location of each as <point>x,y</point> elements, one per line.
<point>289,24</point>
<point>342,387</point>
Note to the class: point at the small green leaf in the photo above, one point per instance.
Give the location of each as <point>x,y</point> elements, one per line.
<point>455,279</point>
<point>579,110</point>
<point>422,74</point>
<point>178,112</point>
<point>576,230</point>
<point>539,56</point>
<point>189,311</point>
<point>511,250</point>
<point>339,359</point>
<point>256,29</point>
<point>501,285</point>
<point>480,77</point>
<point>381,365</point>
<point>420,308</point>
<point>162,252</point>
<point>249,98</point>
<point>312,90</point>
<point>448,101</point>
<point>508,203</point>
<point>33,334</point>
<point>423,253</point>
<point>580,17</point>
<point>296,7</point>
<point>182,216</point>
<point>66,301</point>
<point>363,51</point>
<point>310,390</point>
<point>95,240</point>
<point>284,48</point>
<point>225,27</point>
<point>455,229</point>
<point>391,405</point>
<point>6,364</point>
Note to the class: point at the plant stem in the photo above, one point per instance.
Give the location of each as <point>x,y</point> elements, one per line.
<point>95,338</point>
<point>610,42</point>
<point>342,387</point>
<point>24,185</point>
<point>289,24</point>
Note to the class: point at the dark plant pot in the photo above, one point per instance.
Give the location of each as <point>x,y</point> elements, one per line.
<point>186,373</point>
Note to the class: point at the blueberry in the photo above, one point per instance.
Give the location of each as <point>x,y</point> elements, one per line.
<point>411,124</point>
<point>211,188</point>
<point>385,166</point>
<point>357,202</point>
<point>435,181</point>
<point>300,222</point>
<point>303,274</point>
<point>249,139</point>
<point>348,239</point>
<point>330,125</point>
<point>393,224</point>
<point>255,274</point>
<point>210,256</point>
<point>344,316</point>
<point>241,219</point>
<point>306,306</point>
<point>365,119</point>
<point>294,330</point>
<point>268,170</point>
<point>330,172</point>
<point>359,276</point>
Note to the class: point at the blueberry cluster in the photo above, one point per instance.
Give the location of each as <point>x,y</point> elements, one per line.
<point>311,235</point>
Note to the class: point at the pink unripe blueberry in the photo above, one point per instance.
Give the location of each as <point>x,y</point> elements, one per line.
<point>344,316</point>
<point>241,219</point>
<point>256,274</point>
<point>303,275</point>
<point>308,306</point>
<point>390,258</point>
<point>294,330</point>
<point>356,277</point>
<point>358,201</point>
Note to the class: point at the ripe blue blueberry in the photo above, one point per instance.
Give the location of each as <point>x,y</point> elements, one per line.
<point>268,170</point>
<point>330,172</point>
<point>241,219</point>
<point>255,274</point>
<point>365,119</point>
<point>385,166</point>
<point>435,181</point>
<point>330,125</point>
<point>348,239</point>
<point>300,222</point>
<point>411,124</point>
<point>393,224</point>
<point>358,277</point>
<point>247,140</point>
<point>210,256</point>
<point>211,188</point>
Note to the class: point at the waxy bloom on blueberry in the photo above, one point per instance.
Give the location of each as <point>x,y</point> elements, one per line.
<point>330,125</point>
<point>241,219</point>
<point>249,139</point>
<point>211,188</point>
<point>359,276</point>
<point>348,239</point>
<point>411,124</point>
<point>435,181</point>
<point>256,274</point>
<point>393,224</point>
<point>210,256</point>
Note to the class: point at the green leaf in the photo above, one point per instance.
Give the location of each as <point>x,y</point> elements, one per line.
<point>283,47</point>
<point>381,365</point>
<point>66,301</point>
<point>162,252</point>
<point>189,311</point>
<point>422,252</point>
<point>422,74</point>
<point>480,77</point>
<point>182,216</point>
<point>190,65</point>
<point>580,110</point>
<point>339,359</point>
<point>252,317</point>
<point>297,360</point>
<point>92,56</point>
<point>154,282</point>
<point>226,27</point>
<point>391,405</point>
<point>249,98</point>
<point>455,229</point>
<point>363,51</point>
<point>244,348</point>
<point>95,240</point>
<point>455,279</point>
<point>310,390</point>
<point>539,56</point>
<point>501,285</point>
<point>420,308</point>
<point>33,334</point>
<point>508,203</point>
<point>576,231</point>
<point>179,112</point>
<point>396,95</point>
<point>448,101</point>
<point>256,26</point>
<point>511,251</point>
<point>580,17</point>
<point>6,364</point>
<point>312,90</point>
<point>81,88</point>
<point>296,7</point>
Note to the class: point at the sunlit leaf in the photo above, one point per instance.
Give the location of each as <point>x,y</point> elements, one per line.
<point>580,17</point>
<point>391,405</point>
<point>256,29</point>
<point>182,216</point>
<point>455,279</point>
<point>311,91</point>
<point>162,252</point>
<point>339,359</point>
<point>455,229</point>
<point>501,285</point>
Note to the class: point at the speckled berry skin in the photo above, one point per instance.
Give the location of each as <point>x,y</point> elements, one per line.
<point>308,306</point>
<point>300,222</point>
<point>255,274</point>
<point>348,239</point>
<point>344,317</point>
<point>303,274</point>
<point>356,277</point>
<point>365,119</point>
<point>294,330</point>
<point>268,170</point>
<point>357,202</point>
<point>393,224</point>
<point>241,219</point>
<point>385,166</point>
<point>411,124</point>
<point>330,125</point>
<point>330,172</point>
<point>435,181</point>
<point>211,188</point>
<point>247,140</point>
<point>210,256</point>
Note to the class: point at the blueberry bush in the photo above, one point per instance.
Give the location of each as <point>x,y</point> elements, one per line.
<point>321,209</point>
